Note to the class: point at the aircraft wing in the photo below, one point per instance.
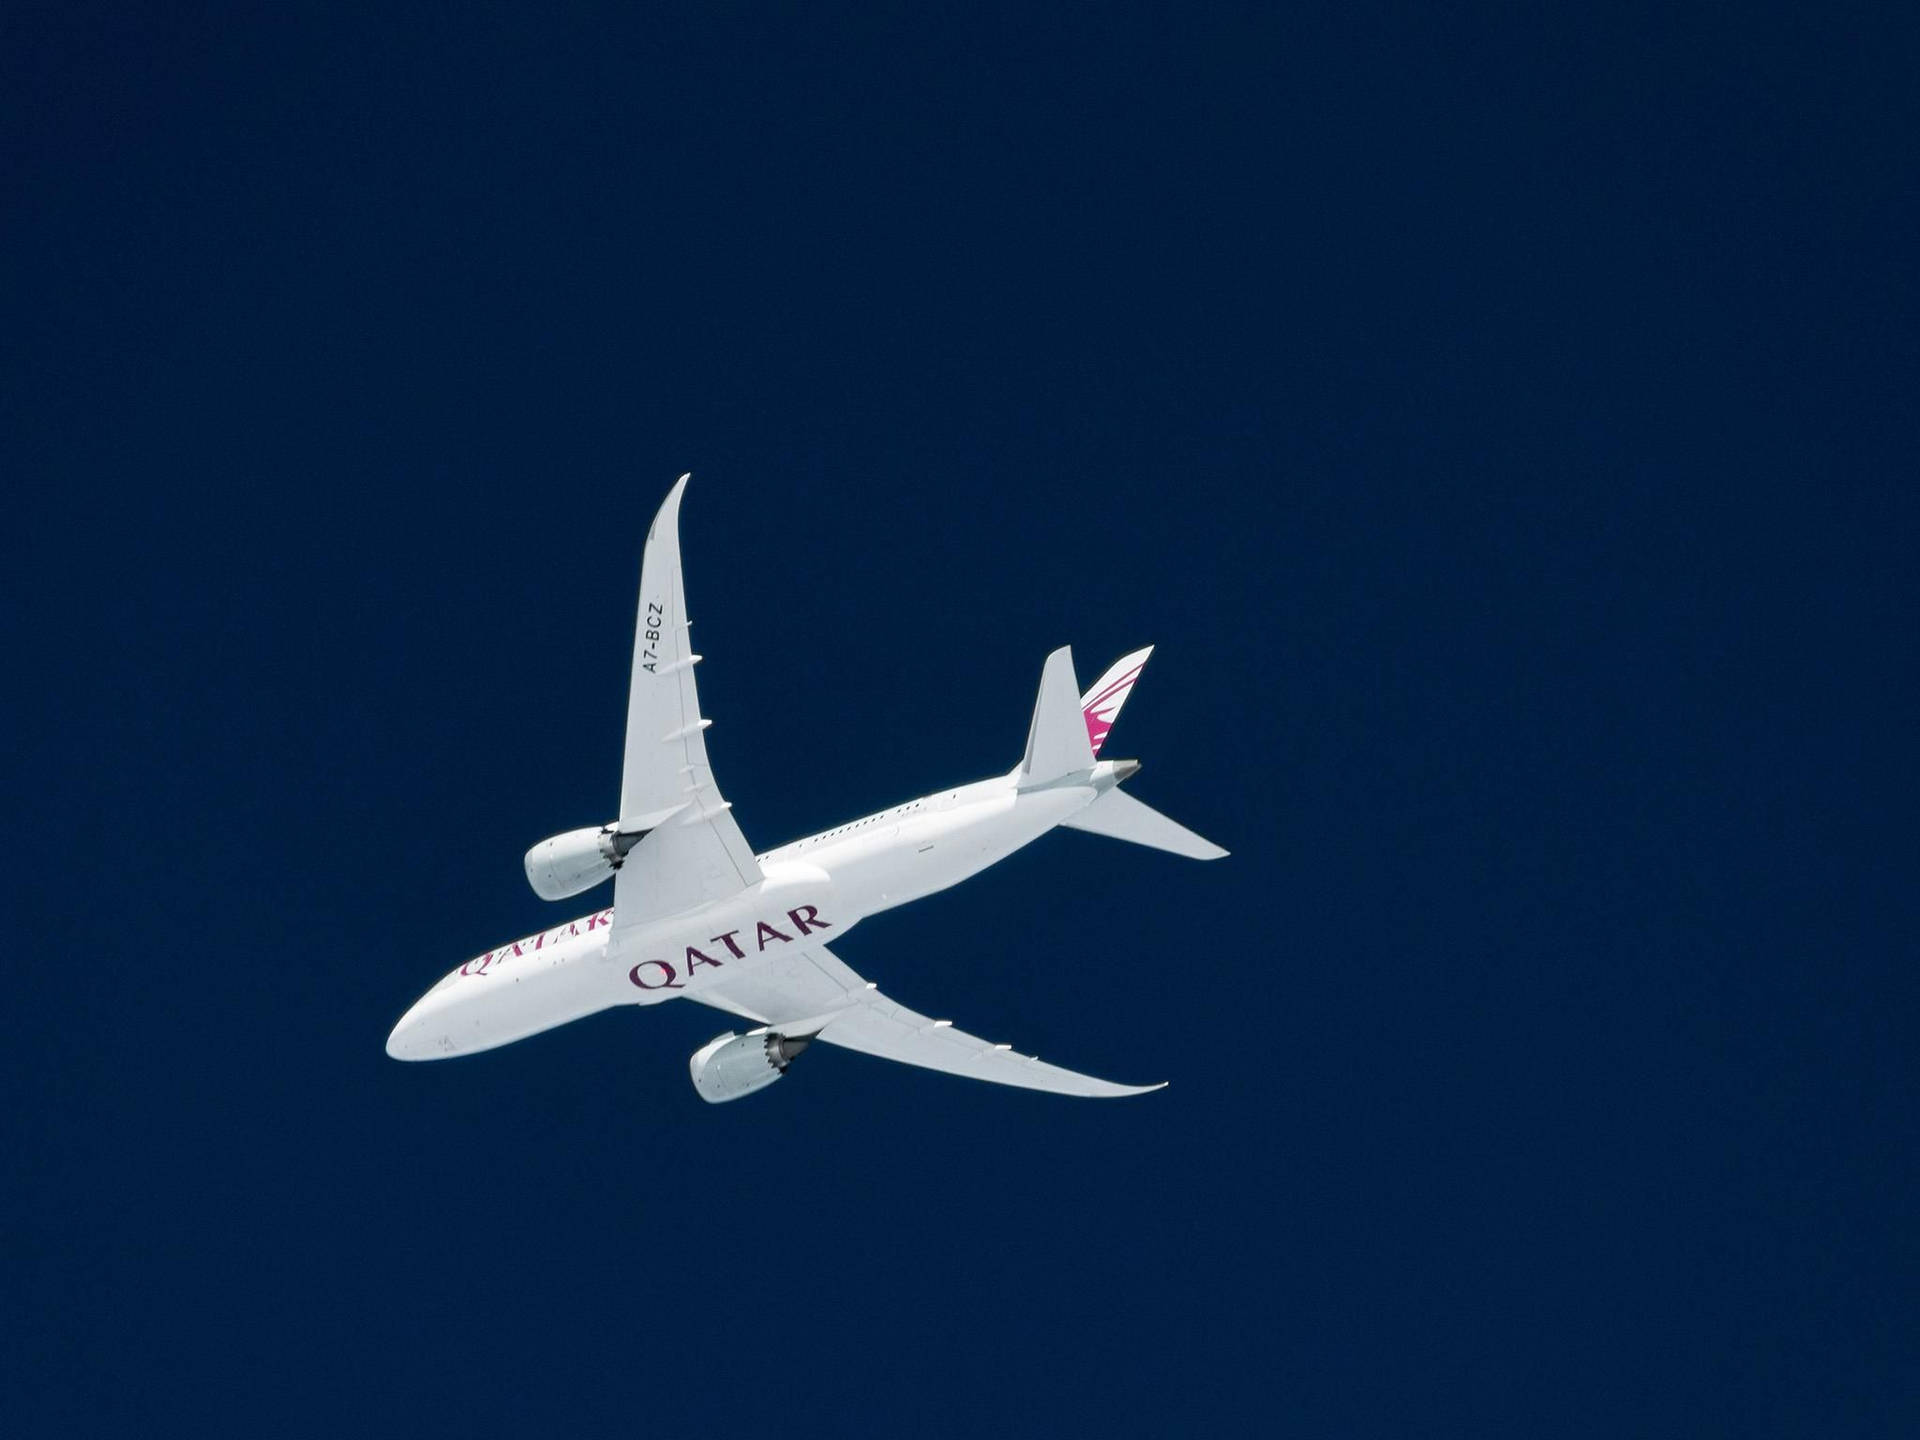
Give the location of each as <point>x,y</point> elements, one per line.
<point>814,993</point>
<point>693,851</point>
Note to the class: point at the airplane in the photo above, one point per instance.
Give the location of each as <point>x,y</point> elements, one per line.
<point>697,915</point>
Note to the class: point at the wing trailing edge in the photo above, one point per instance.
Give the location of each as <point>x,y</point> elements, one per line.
<point>819,995</point>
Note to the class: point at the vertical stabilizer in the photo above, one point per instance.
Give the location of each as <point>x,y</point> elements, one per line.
<point>1102,703</point>
<point>1057,741</point>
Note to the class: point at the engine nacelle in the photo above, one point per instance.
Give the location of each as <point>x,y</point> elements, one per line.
<point>729,1066</point>
<point>564,865</point>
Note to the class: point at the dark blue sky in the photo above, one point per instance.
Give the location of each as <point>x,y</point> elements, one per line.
<point>1504,426</point>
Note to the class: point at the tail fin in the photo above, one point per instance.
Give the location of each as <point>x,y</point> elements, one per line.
<point>1057,742</point>
<point>1102,703</point>
<point>1119,815</point>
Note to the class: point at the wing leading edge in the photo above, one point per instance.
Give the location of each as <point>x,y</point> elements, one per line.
<point>815,993</point>
<point>694,851</point>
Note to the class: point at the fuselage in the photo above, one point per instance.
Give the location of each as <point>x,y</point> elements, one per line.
<point>812,890</point>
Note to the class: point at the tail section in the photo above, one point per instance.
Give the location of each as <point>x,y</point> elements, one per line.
<point>1057,742</point>
<point>1115,813</point>
<point>1064,737</point>
<point>1119,815</point>
<point>1101,705</point>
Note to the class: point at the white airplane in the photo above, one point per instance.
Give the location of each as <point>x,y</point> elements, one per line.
<point>697,915</point>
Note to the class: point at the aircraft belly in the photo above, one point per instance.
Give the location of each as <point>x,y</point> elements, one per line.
<point>796,904</point>
<point>521,990</point>
<point>936,850</point>
<point>506,995</point>
<point>572,972</point>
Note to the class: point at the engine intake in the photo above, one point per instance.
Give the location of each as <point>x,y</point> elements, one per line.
<point>729,1066</point>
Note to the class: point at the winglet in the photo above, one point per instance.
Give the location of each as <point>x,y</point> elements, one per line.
<point>669,510</point>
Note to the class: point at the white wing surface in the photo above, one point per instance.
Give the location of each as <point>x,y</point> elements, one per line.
<point>814,993</point>
<point>693,852</point>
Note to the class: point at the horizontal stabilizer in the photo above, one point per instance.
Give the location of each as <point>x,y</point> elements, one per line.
<point>1119,815</point>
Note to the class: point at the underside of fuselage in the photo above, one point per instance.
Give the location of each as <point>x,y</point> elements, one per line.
<point>821,885</point>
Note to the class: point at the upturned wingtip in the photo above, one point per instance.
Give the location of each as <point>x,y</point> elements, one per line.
<point>670,507</point>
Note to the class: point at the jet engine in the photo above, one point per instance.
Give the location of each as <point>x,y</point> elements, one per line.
<point>564,865</point>
<point>729,1066</point>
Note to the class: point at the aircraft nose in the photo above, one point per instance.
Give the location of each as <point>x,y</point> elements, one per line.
<point>412,1038</point>
<point>404,1037</point>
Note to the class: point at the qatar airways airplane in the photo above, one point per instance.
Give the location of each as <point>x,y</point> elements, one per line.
<point>697,915</point>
